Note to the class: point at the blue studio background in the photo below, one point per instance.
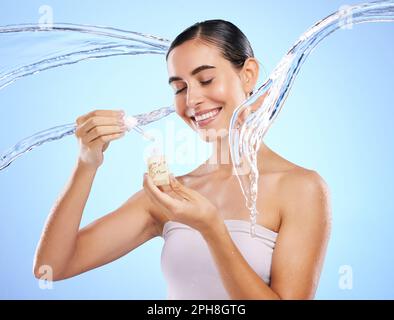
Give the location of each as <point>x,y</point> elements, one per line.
<point>337,121</point>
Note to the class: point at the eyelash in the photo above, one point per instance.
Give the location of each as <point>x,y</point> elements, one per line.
<point>204,83</point>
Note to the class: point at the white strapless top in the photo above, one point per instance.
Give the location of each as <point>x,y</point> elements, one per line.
<point>188,266</point>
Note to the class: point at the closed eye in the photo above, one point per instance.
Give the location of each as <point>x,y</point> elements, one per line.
<point>180,90</point>
<point>204,83</point>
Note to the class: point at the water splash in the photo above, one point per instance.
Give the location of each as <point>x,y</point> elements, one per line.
<point>58,132</point>
<point>245,136</point>
<point>39,49</point>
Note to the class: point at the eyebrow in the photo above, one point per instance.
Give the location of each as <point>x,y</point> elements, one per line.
<point>194,72</point>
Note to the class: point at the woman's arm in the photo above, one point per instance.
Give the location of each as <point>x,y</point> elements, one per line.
<point>58,240</point>
<point>70,251</point>
<point>113,235</point>
<point>299,252</point>
<point>302,242</point>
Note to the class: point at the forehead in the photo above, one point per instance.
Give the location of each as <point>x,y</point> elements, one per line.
<point>191,54</point>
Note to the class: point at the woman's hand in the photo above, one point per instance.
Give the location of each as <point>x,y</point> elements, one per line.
<point>183,204</point>
<point>95,131</point>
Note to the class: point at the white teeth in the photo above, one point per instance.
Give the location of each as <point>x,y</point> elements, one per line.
<point>207,115</point>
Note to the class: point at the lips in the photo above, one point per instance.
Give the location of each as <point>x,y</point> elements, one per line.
<point>205,117</point>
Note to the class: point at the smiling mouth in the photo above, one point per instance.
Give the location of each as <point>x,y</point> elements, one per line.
<point>207,117</point>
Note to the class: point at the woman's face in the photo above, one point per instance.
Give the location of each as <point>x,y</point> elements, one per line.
<point>207,88</point>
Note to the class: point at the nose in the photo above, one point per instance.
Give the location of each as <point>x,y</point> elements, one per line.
<point>193,96</point>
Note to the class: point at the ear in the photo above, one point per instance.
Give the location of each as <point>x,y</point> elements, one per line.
<point>249,75</point>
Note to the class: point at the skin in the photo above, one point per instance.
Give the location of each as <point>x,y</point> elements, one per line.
<point>294,200</point>
<point>229,88</point>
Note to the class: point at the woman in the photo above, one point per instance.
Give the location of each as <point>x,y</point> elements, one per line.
<point>208,252</point>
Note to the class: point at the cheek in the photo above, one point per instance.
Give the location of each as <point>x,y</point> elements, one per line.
<point>220,91</point>
<point>180,106</point>
<point>229,92</point>
<point>180,110</point>
<point>230,98</point>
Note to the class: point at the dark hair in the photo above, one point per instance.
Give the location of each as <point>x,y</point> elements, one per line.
<point>227,37</point>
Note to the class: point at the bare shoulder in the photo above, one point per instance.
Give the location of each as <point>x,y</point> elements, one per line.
<point>304,192</point>
<point>301,180</point>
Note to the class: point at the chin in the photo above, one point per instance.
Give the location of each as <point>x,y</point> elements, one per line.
<point>213,134</point>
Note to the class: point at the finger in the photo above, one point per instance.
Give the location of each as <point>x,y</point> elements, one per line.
<point>103,113</point>
<point>168,189</point>
<point>159,206</point>
<point>181,190</point>
<point>97,132</point>
<point>97,121</point>
<point>154,200</point>
<point>164,199</point>
<point>164,187</point>
<point>104,139</point>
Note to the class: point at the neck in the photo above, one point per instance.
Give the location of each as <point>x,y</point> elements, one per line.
<point>220,159</point>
